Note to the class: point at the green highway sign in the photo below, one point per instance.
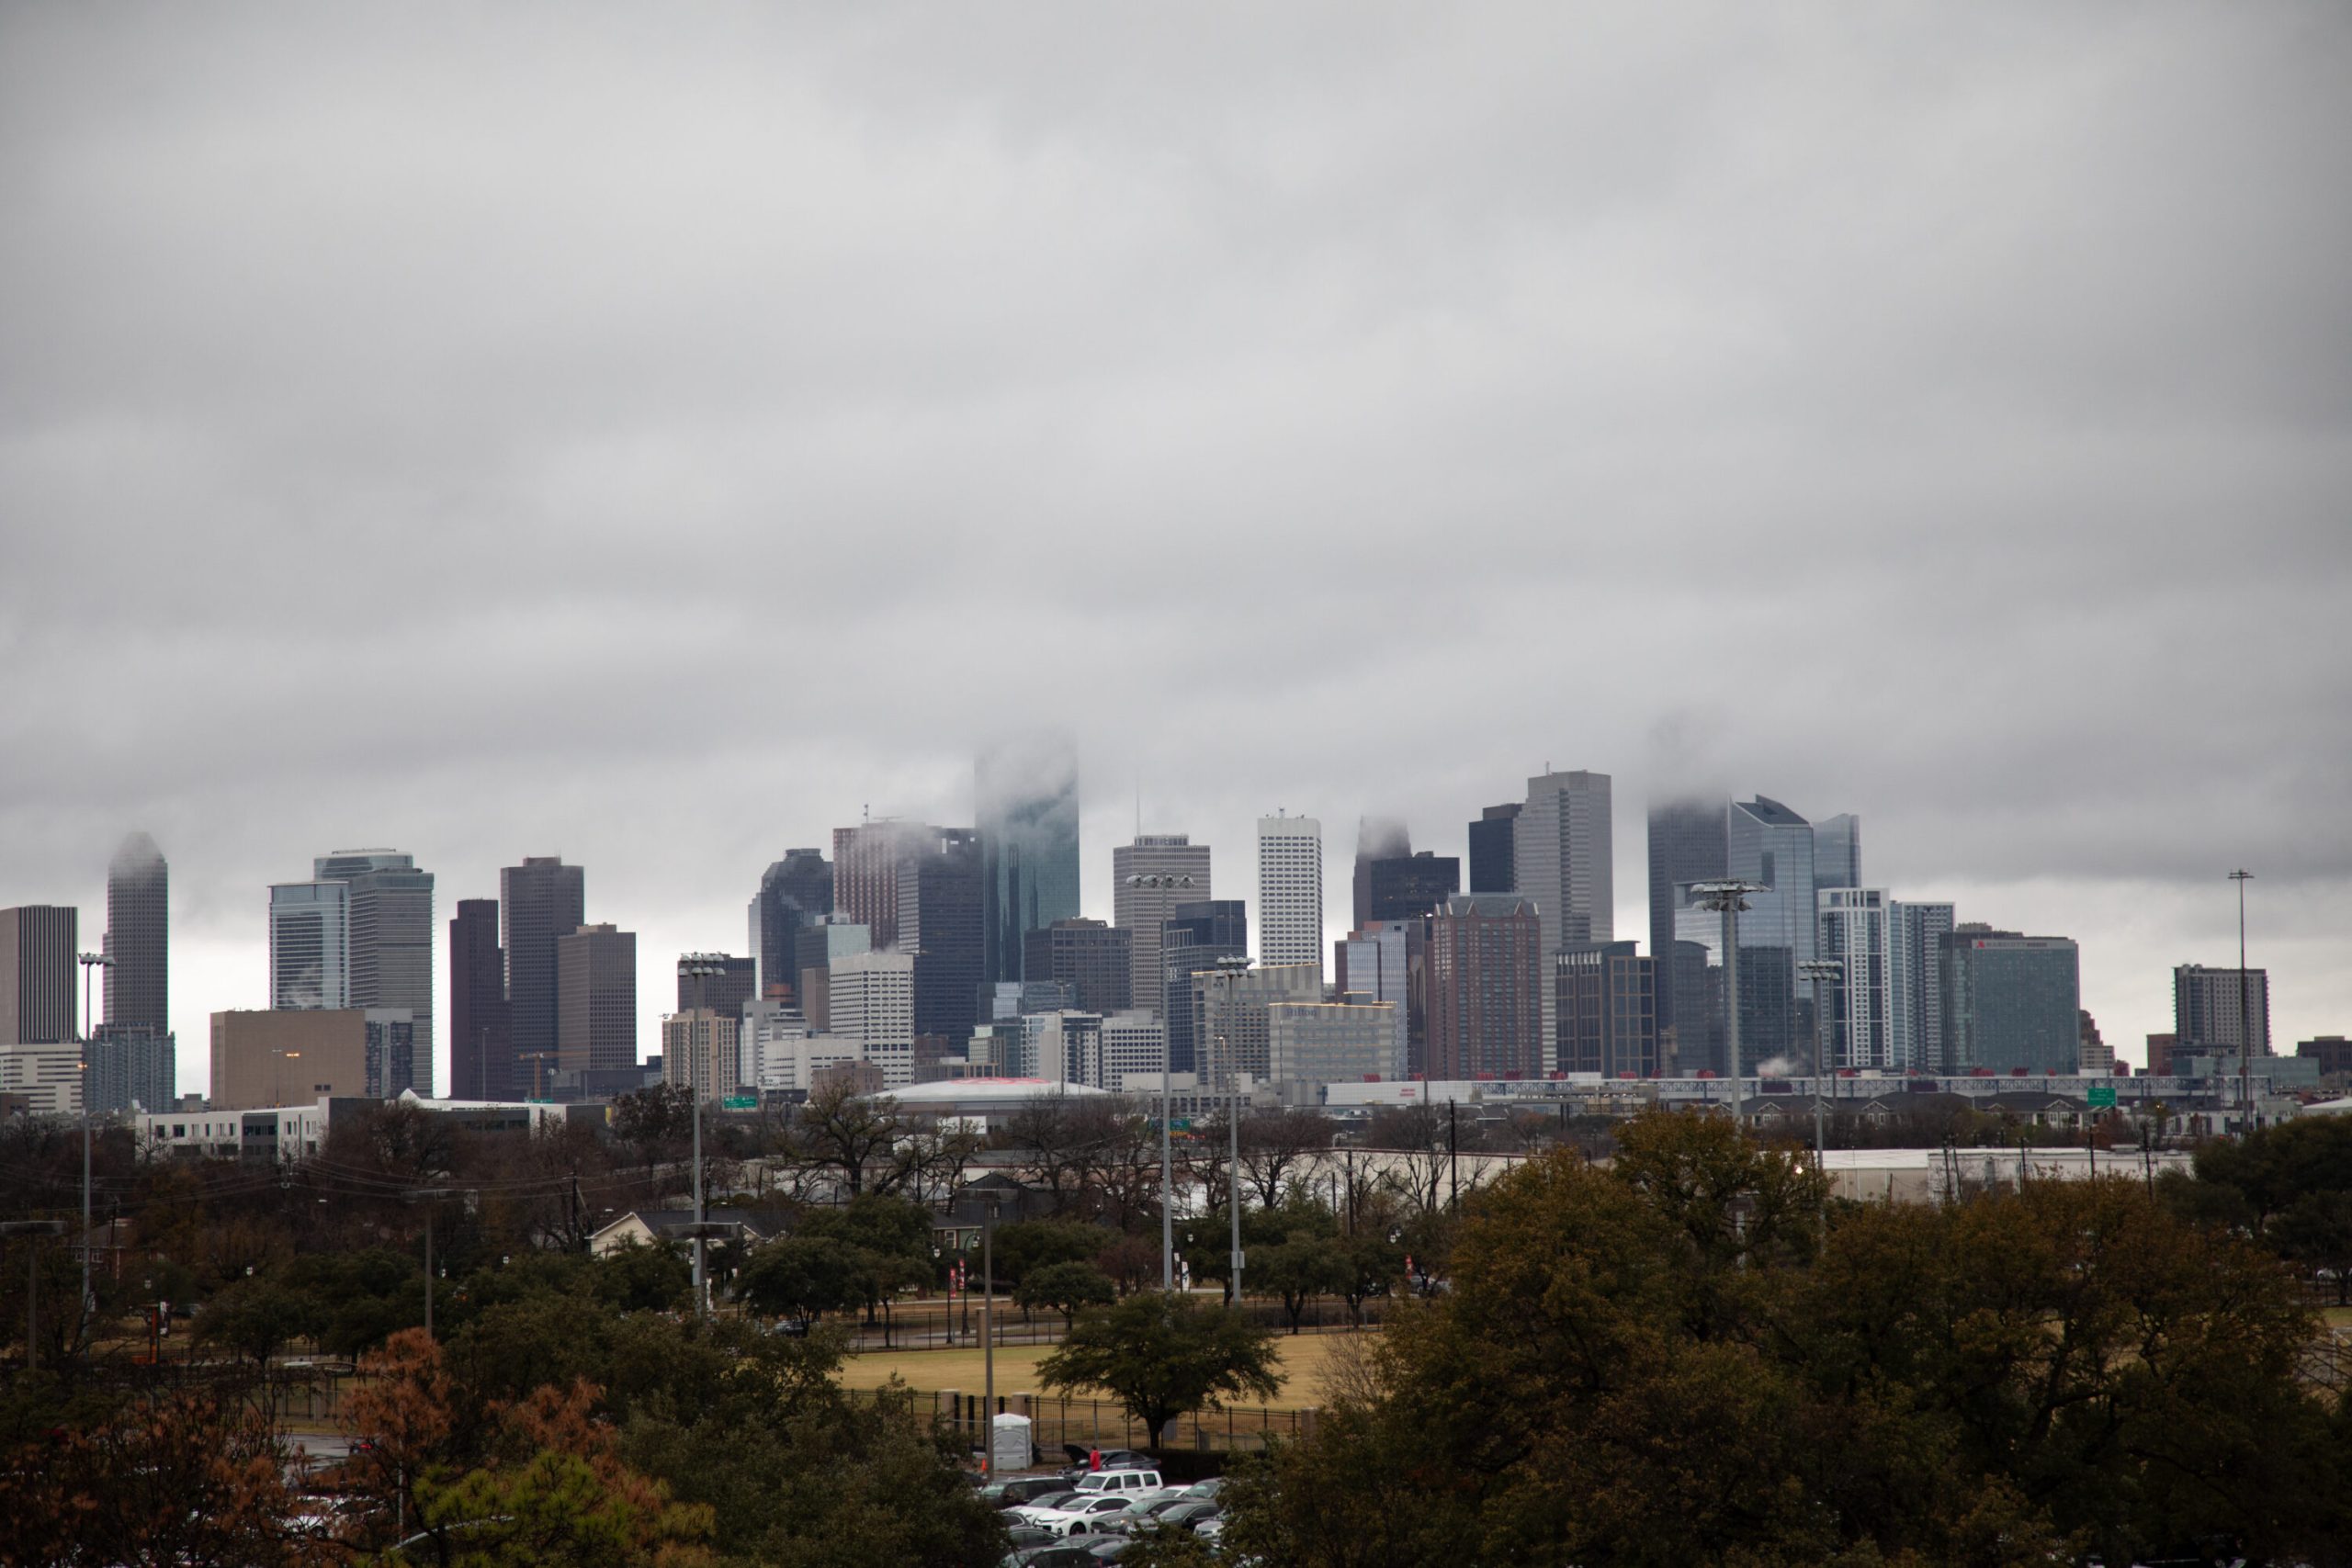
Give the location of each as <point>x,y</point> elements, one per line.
<point>2102,1097</point>
<point>740,1103</point>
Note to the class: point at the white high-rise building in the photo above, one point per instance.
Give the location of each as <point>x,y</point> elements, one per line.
<point>1135,1046</point>
<point>1290,892</point>
<point>702,1050</point>
<point>872,997</point>
<point>1886,1010</point>
<point>1148,879</point>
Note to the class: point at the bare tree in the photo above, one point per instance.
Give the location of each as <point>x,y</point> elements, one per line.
<point>1411,1140</point>
<point>1273,1144</point>
<point>841,1130</point>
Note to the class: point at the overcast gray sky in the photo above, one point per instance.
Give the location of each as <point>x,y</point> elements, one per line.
<point>652,434</point>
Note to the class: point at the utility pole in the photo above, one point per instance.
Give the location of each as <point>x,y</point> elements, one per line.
<point>1728,897</point>
<point>428,1196</point>
<point>28,1229</point>
<point>1452,1156</point>
<point>1166,1154</point>
<point>988,1335</point>
<point>2245,1034</point>
<point>93,962</point>
<point>699,967</point>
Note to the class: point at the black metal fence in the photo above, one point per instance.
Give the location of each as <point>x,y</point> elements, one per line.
<point>1102,1423</point>
<point>936,1326</point>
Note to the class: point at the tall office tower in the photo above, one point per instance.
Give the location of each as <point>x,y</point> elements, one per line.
<point>127,1064</point>
<point>1562,857</point>
<point>1231,1006</point>
<point>1311,1044</point>
<point>1407,887</point>
<point>540,901</point>
<point>702,1051</point>
<point>1608,1009</point>
<point>1094,959</point>
<point>2206,1007</point>
<point>1486,976</point>
<point>1494,853</point>
<point>481,1048</point>
<point>1025,792</point>
<point>866,862</point>
<point>596,1027</point>
<point>874,1004</point>
<point>941,910</point>
<point>725,992</point>
<point>138,936</point>
<point>1378,839</point>
<point>389,941</point>
<point>1148,879</point>
<point>1290,891</point>
<point>2094,1055</point>
<point>1564,862</point>
<point>2012,1002</point>
<point>1687,845</point>
<point>309,946</point>
<point>1837,851</point>
<point>1773,846</point>
<point>37,953</point>
<point>794,892</point>
<point>1193,939</point>
<point>1375,964</point>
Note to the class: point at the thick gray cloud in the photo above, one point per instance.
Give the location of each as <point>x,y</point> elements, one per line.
<point>655,436</point>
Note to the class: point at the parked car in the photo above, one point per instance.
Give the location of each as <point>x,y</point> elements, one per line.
<point>1044,1502</point>
<point>1082,1516</point>
<point>1054,1556</point>
<point>1028,1489</point>
<point>1204,1489</point>
<point>1181,1513</point>
<point>1029,1535</point>
<point>1146,1514</point>
<point>1113,1458</point>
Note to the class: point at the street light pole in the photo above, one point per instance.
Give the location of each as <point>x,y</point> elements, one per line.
<point>1727,897</point>
<point>1163,880</point>
<point>699,967</point>
<point>428,1196</point>
<point>2245,1034</point>
<point>1821,972</point>
<point>91,964</point>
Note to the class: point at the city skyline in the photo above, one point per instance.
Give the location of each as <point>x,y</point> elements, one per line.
<point>1542,390</point>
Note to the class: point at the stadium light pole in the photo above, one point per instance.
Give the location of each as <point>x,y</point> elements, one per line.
<point>2246,1034</point>
<point>1167,1155</point>
<point>1821,972</point>
<point>1727,897</point>
<point>93,961</point>
<point>699,967</point>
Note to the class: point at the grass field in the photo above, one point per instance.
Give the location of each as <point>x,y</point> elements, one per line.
<point>1304,1356</point>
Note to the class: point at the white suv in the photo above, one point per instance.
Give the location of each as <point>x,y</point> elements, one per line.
<point>1100,1494</point>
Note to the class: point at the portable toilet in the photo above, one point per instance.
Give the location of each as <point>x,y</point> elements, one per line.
<point>1009,1444</point>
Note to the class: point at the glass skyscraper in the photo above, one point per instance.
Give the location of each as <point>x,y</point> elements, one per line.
<point>1026,798</point>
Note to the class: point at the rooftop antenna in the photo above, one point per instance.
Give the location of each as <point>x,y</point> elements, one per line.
<point>1139,805</point>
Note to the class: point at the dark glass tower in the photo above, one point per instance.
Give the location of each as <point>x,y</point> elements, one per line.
<point>795,891</point>
<point>1687,844</point>
<point>540,901</point>
<point>1194,937</point>
<point>941,894</point>
<point>138,986</point>
<point>481,1048</point>
<point>1493,850</point>
<point>1025,792</point>
<point>1408,888</point>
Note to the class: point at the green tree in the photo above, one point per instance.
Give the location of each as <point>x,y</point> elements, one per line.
<point>1164,1355</point>
<point>1298,1271</point>
<point>256,1318</point>
<point>1064,1288</point>
<point>804,1277</point>
<point>635,1278</point>
<point>2315,1234</point>
<point>1036,1244</point>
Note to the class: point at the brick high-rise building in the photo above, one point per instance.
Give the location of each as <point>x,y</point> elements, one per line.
<point>481,1048</point>
<point>1607,1009</point>
<point>2207,1005</point>
<point>1486,974</point>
